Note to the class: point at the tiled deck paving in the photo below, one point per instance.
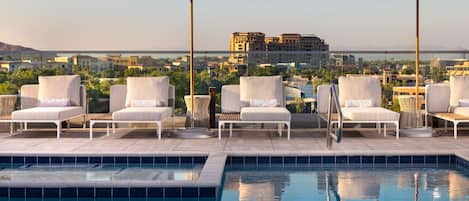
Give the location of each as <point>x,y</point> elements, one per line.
<point>305,141</point>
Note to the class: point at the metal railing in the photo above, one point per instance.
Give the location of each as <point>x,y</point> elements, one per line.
<point>334,133</point>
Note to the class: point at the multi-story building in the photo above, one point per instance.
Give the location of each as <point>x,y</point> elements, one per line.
<point>255,49</point>
<point>15,65</point>
<point>92,63</point>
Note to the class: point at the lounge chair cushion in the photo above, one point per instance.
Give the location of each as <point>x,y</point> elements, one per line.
<point>47,113</point>
<point>263,88</point>
<point>230,99</point>
<point>437,98</point>
<point>464,111</point>
<point>147,88</point>
<point>360,88</point>
<point>323,93</point>
<point>60,87</point>
<point>142,114</point>
<point>459,86</point>
<point>370,114</point>
<point>265,114</point>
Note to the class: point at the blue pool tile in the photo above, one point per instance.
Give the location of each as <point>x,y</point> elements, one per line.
<point>190,192</point>
<point>199,159</point>
<point>430,159</point>
<point>418,159</point>
<point>186,160</point>
<point>452,158</point>
<point>5,159</point>
<point>120,192</point>
<point>367,159</point>
<point>160,160</point>
<point>302,160</point>
<point>95,160</point>
<point>122,160</point>
<point>108,160</point>
<point>155,192</point>
<point>250,160</point>
<point>69,159</point>
<point>341,159</point>
<point>134,160</point>
<point>172,192</point>
<point>328,160</point>
<point>289,160</point>
<point>237,160</point>
<point>68,192</point>
<point>228,161</point>
<point>405,159</point>
<point>173,160</point>
<point>30,159</point>
<point>17,192</point>
<point>392,160</point>
<point>3,192</point>
<point>103,192</point>
<point>207,192</point>
<point>43,160</point>
<point>18,160</point>
<point>315,160</point>
<point>263,160</point>
<point>354,159</point>
<point>276,160</point>
<point>147,160</point>
<point>379,160</point>
<point>82,159</point>
<point>56,160</point>
<point>34,193</point>
<point>85,192</point>
<point>138,192</point>
<point>51,193</point>
<point>443,159</point>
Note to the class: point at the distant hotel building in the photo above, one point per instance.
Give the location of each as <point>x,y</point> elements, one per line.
<point>256,49</point>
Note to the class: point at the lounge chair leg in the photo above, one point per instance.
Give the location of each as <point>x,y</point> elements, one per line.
<point>397,130</point>
<point>25,126</point>
<point>319,121</point>
<point>11,128</point>
<point>159,130</point>
<point>219,130</point>
<point>91,130</point>
<point>68,124</point>
<point>455,129</point>
<point>446,126</point>
<point>84,121</point>
<point>385,130</point>
<point>379,128</point>
<point>59,128</point>
<point>107,129</point>
<point>231,129</point>
<point>288,132</point>
<point>113,128</point>
<point>279,129</point>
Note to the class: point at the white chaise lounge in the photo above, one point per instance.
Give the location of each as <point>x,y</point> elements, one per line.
<point>144,100</point>
<point>360,102</point>
<point>55,99</point>
<point>449,102</point>
<point>256,100</point>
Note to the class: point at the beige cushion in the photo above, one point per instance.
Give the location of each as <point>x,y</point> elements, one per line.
<point>437,97</point>
<point>230,100</point>
<point>265,88</point>
<point>370,114</point>
<point>47,113</point>
<point>60,87</point>
<point>464,111</point>
<point>459,86</point>
<point>323,93</point>
<point>360,88</point>
<point>265,114</point>
<point>147,88</point>
<point>142,114</point>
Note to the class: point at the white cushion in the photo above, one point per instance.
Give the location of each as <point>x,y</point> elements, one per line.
<point>265,88</point>
<point>47,113</point>
<point>459,86</point>
<point>370,114</point>
<point>147,88</point>
<point>142,114</point>
<point>263,103</point>
<point>463,103</point>
<point>323,93</point>
<point>60,87</point>
<point>360,88</point>
<point>265,114</point>
<point>464,111</point>
<point>358,103</point>
<point>437,98</point>
<point>55,102</point>
<point>145,103</point>
<point>230,100</point>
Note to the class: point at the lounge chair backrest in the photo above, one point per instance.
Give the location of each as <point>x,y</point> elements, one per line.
<point>119,94</point>
<point>322,101</point>
<point>437,98</point>
<point>261,87</point>
<point>29,96</point>
<point>230,99</point>
<point>360,88</point>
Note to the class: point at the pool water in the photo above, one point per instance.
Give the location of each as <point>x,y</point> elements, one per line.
<point>385,184</point>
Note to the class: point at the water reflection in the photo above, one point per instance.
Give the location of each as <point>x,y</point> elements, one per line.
<point>373,184</point>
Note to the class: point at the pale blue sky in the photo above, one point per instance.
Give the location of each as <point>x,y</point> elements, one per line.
<point>163,24</point>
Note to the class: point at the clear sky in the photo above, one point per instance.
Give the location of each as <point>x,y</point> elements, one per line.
<point>163,24</point>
